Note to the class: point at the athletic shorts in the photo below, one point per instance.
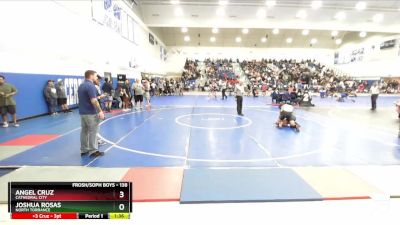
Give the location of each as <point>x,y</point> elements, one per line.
<point>147,95</point>
<point>124,98</point>
<point>138,98</point>
<point>287,116</point>
<point>61,101</point>
<point>10,109</point>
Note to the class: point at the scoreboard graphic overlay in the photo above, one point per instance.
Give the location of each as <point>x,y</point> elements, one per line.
<point>70,200</point>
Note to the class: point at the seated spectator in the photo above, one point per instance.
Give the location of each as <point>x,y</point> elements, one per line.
<point>294,98</point>
<point>118,94</point>
<point>306,99</point>
<point>286,97</point>
<point>322,93</point>
<point>255,90</point>
<point>275,96</point>
<point>264,89</point>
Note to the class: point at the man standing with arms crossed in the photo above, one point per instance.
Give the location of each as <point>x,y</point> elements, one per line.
<point>91,114</point>
<point>7,103</point>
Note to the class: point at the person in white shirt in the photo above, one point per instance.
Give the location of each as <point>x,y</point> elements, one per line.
<point>146,87</point>
<point>213,90</point>
<point>286,117</point>
<point>374,95</point>
<point>239,91</point>
<point>223,89</point>
<point>138,91</point>
<point>153,88</point>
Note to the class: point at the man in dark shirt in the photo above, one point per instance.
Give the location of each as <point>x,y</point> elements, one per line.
<point>108,89</point>
<point>50,93</point>
<point>91,114</point>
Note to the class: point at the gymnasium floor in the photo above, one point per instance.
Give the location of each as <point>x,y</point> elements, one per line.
<point>194,149</point>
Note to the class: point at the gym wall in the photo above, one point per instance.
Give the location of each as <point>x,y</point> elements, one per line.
<point>42,40</point>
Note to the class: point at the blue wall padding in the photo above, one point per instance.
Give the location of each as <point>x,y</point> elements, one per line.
<point>30,99</point>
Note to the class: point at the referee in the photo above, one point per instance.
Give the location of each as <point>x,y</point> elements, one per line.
<point>374,95</point>
<point>239,91</point>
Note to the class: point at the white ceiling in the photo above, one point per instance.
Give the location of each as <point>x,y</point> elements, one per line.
<point>173,36</point>
<point>200,16</point>
<point>242,13</point>
<point>371,4</point>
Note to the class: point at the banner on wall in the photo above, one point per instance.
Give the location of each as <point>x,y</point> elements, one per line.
<point>388,44</point>
<point>336,59</point>
<point>352,56</point>
<point>398,41</point>
<point>151,39</point>
<point>71,88</point>
<point>375,52</point>
<point>131,32</point>
<point>343,57</point>
<point>163,53</point>
<point>357,55</point>
<point>124,24</point>
<point>110,14</point>
<point>136,34</point>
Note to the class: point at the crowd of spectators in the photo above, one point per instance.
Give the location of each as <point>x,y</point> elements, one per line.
<point>190,70</point>
<point>299,76</point>
<point>210,73</point>
<point>390,86</point>
<point>268,75</point>
<point>165,86</point>
<point>219,69</point>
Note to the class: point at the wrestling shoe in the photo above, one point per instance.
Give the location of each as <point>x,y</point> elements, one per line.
<point>101,142</point>
<point>96,154</point>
